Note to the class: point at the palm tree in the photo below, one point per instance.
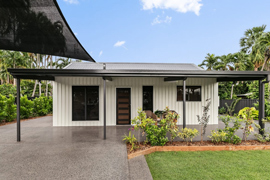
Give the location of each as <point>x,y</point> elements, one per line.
<point>209,62</point>
<point>61,63</point>
<point>225,62</point>
<point>251,35</point>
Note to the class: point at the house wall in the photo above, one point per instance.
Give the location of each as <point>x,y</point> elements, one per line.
<point>165,94</point>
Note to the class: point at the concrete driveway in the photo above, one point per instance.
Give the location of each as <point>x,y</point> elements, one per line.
<point>47,152</point>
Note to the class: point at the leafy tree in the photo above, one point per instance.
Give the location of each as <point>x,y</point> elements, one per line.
<point>210,62</point>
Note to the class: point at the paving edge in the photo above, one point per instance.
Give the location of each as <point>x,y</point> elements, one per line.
<point>197,148</point>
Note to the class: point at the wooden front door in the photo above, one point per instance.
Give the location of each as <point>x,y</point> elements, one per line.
<point>123,106</point>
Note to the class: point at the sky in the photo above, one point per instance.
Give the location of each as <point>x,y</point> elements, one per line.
<point>162,31</point>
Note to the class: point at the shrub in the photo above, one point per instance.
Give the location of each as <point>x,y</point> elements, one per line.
<point>26,107</point>
<point>188,134</point>
<point>3,100</point>
<point>218,136</point>
<point>222,110</point>
<point>7,89</point>
<point>156,135</point>
<point>50,105</point>
<point>132,140</point>
<point>230,109</point>
<point>203,121</point>
<point>41,105</point>
<point>231,137</point>
<point>171,120</point>
<point>10,109</point>
<point>248,115</point>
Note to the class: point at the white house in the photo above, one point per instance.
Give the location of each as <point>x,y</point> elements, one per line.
<point>78,101</point>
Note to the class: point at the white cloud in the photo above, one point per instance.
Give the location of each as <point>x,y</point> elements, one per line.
<point>119,43</point>
<point>182,6</point>
<point>100,53</point>
<point>72,1</point>
<point>157,20</point>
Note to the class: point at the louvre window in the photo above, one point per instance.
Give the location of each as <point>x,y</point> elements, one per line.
<point>193,93</point>
<point>85,103</point>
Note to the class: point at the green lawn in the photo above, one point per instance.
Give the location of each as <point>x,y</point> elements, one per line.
<point>210,165</point>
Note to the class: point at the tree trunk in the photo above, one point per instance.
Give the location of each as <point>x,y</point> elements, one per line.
<point>34,90</point>
<point>39,88</point>
<point>232,91</point>
<point>265,60</point>
<point>46,91</point>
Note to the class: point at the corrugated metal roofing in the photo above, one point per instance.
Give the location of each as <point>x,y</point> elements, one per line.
<point>134,66</point>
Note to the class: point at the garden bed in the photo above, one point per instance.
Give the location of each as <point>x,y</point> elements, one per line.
<point>197,146</point>
<point>12,122</point>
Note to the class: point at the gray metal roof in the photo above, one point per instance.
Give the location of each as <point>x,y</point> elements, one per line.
<point>134,66</point>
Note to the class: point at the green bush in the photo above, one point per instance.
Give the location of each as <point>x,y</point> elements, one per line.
<point>41,105</point>
<point>7,89</point>
<point>26,107</point>
<point>50,104</point>
<point>3,100</point>
<point>218,136</point>
<point>222,110</point>
<point>188,134</point>
<point>230,136</point>
<point>10,109</point>
<point>132,140</point>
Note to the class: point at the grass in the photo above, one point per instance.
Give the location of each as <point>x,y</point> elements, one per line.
<point>210,165</point>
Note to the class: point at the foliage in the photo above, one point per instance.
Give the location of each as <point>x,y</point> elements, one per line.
<point>230,109</point>
<point>230,131</point>
<point>218,136</point>
<point>253,88</point>
<point>248,115</point>
<point>10,109</point>
<point>41,106</point>
<point>188,134</point>
<point>131,140</point>
<point>158,113</point>
<point>267,107</point>
<point>222,110</point>
<point>3,100</point>
<point>26,107</point>
<point>7,89</point>
<point>203,121</point>
<point>156,134</point>
<point>171,120</point>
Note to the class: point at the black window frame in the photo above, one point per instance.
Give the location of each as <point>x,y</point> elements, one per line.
<point>85,100</point>
<point>152,97</point>
<point>188,95</point>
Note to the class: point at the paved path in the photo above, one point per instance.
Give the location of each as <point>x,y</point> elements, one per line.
<point>47,152</point>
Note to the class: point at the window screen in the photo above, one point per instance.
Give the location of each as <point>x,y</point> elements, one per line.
<point>85,103</point>
<point>193,93</point>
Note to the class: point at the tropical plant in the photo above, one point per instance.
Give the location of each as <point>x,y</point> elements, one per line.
<point>188,134</point>
<point>131,140</point>
<point>230,131</point>
<point>210,62</point>
<point>3,100</point>
<point>10,109</point>
<point>230,109</point>
<point>248,114</point>
<point>26,107</point>
<point>203,121</point>
<point>217,136</point>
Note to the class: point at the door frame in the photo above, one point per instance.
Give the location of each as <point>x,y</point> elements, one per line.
<point>117,105</point>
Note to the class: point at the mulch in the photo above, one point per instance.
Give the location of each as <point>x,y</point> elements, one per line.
<point>143,146</point>
<point>13,122</point>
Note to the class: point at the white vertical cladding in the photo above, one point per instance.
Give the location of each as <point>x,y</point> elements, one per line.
<point>164,93</point>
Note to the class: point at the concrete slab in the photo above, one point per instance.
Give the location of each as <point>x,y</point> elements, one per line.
<point>138,169</point>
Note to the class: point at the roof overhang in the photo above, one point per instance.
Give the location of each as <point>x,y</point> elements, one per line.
<point>50,74</point>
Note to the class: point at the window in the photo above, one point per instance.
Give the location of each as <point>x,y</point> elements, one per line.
<point>193,93</point>
<point>148,98</point>
<point>85,103</point>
